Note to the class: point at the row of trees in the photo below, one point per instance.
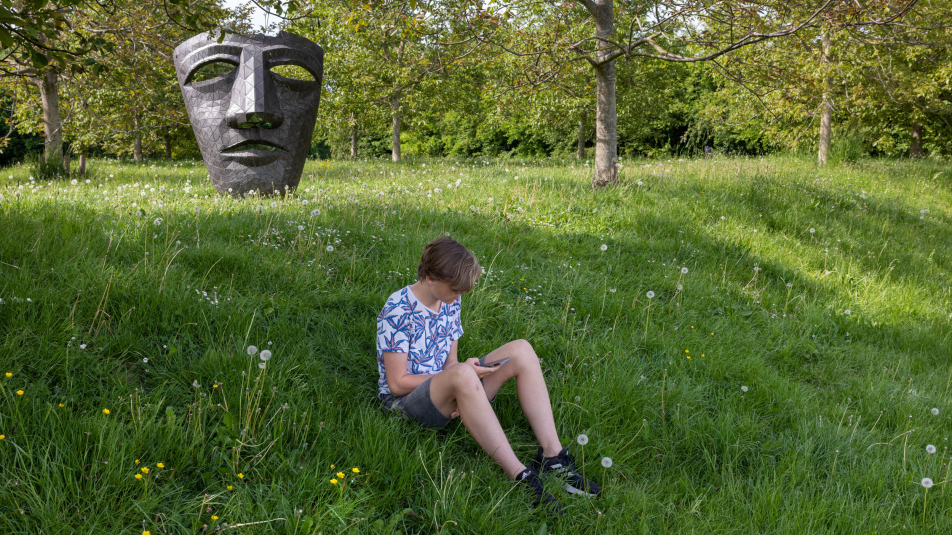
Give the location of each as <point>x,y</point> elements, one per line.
<point>465,76</point>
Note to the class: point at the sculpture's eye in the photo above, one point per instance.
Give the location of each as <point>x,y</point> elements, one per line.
<point>293,72</point>
<point>210,71</point>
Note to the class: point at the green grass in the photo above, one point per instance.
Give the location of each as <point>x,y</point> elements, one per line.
<point>791,415</point>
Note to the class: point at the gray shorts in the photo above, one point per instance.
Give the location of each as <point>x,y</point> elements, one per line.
<point>418,406</point>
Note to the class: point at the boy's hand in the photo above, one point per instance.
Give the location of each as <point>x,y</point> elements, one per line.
<point>481,371</point>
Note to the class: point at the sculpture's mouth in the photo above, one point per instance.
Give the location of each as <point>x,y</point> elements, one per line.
<point>254,152</point>
<point>253,145</point>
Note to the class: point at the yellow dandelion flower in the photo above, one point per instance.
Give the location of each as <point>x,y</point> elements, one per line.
<point>61,405</point>
<point>19,392</point>
<point>3,437</point>
<point>686,351</point>
<point>9,375</point>
<point>145,469</point>
<point>702,355</point>
<point>355,470</point>
<point>332,467</point>
<point>214,386</point>
<point>340,475</point>
<point>105,411</point>
<point>689,357</point>
<point>159,465</point>
<point>333,482</point>
<point>146,533</point>
<point>240,475</point>
<point>229,487</point>
<point>214,518</point>
<point>137,461</point>
<point>138,476</point>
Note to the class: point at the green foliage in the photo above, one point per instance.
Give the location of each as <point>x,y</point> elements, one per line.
<point>43,168</point>
<point>814,310</point>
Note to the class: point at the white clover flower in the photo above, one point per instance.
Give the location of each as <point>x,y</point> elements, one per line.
<point>935,411</point>
<point>582,440</point>
<point>265,355</point>
<point>195,384</point>
<point>330,248</point>
<point>684,271</point>
<point>604,247</point>
<point>261,365</point>
<point>607,462</point>
<point>650,294</point>
<point>930,448</point>
<point>743,388</point>
<point>927,483</point>
<point>252,350</point>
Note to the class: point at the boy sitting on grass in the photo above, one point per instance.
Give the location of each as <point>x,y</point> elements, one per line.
<point>421,377</point>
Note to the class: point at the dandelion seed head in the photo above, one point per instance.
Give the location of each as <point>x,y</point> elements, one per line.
<point>582,440</point>
<point>252,350</point>
<point>930,448</point>
<point>935,411</point>
<point>604,247</point>
<point>650,294</point>
<point>330,248</point>
<point>262,365</point>
<point>743,388</point>
<point>265,355</point>
<point>684,271</point>
<point>607,462</point>
<point>927,482</point>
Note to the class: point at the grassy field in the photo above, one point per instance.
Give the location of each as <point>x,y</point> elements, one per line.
<point>788,376</point>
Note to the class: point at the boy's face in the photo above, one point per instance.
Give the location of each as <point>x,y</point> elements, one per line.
<point>443,291</point>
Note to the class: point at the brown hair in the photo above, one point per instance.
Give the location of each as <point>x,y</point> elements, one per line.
<point>447,260</point>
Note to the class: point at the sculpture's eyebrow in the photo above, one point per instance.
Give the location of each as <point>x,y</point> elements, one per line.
<point>281,53</point>
<point>210,51</point>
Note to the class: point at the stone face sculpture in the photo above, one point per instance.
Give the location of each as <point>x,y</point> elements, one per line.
<point>253,124</point>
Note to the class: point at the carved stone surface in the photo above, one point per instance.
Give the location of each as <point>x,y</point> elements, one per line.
<point>253,125</point>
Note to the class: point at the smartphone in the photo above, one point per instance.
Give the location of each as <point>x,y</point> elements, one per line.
<point>497,363</point>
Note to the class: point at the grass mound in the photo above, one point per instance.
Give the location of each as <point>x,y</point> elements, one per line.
<point>757,345</point>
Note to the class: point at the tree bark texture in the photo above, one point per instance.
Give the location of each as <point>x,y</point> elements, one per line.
<point>52,123</point>
<point>395,106</point>
<point>168,145</point>
<point>606,110</point>
<point>137,147</point>
<point>826,107</point>
<point>353,137</point>
<point>915,147</point>
<point>580,155</point>
<point>66,162</point>
<point>82,165</point>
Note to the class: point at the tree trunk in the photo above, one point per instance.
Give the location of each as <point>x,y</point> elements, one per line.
<point>826,108</point>
<point>915,148</point>
<point>137,148</point>
<point>395,106</point>
<point>52,124</point>
<point>353,137</point>
<point>580,155</point>
<point>82,165</point>
<point>66,162</point>
<point>167,138</point>
<point>606,111</point>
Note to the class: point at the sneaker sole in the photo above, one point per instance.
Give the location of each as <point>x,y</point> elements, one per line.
<point>572,490</point>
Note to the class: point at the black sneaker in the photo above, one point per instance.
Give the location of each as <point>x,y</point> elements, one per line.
<point>530,479</point>
<point>564,466</point>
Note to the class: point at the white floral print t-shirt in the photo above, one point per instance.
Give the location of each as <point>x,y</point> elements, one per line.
<point>406,326</point>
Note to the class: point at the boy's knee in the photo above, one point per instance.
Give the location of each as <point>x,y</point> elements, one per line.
<point>524,349</point>
<point>464,377</point>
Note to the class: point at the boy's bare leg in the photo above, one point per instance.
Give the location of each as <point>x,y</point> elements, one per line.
<point>458,387</point>
<point>531,389</point>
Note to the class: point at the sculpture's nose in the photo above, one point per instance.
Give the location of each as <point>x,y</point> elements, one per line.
<point>254,101</point>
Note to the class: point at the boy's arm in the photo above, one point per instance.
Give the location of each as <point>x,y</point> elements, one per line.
<point>400,382</point>
<point>452,358</point>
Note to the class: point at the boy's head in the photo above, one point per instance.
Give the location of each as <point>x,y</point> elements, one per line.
<point>446,260</point>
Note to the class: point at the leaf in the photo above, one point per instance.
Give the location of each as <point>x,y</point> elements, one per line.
<point>38,59</point>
